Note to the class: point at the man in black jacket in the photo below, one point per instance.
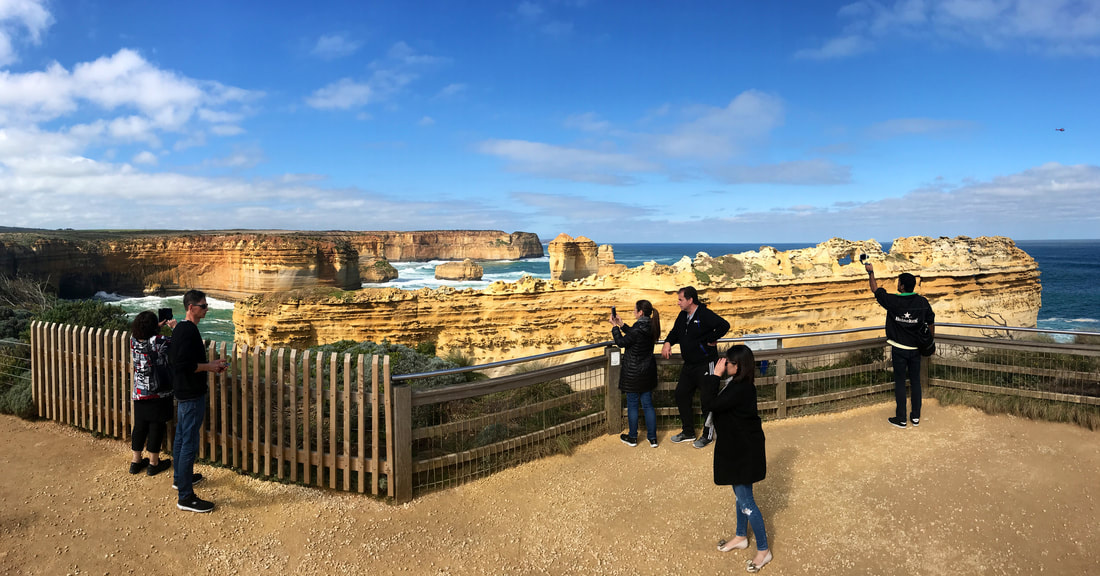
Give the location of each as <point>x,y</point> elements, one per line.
<point>905,312</point>
<point>697,331</point>
<point>187,355</point>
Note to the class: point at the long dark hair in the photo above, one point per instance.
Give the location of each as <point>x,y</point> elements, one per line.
<point>742,356</point>
<point>654,317</point>
<point>144,326</point>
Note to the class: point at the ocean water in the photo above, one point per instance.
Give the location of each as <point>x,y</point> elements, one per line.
<point>1070,274</point>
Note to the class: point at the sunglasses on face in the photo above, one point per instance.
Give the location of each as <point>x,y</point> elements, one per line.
<point>204,306</point>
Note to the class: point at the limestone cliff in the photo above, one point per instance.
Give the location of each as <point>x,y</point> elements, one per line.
<point>237,264</point>
<point>979,280</point>
<point>227,265</point>
<point>422,246</point>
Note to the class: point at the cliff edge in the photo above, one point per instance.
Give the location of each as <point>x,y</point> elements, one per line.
<point>968,280</point>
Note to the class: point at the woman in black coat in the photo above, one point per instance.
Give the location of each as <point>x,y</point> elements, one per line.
<point>739,457</point>
<point>638,375</point>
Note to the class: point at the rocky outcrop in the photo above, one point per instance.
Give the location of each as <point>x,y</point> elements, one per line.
<point>605,256</point>
<point>422,246</point>
<point>572,259</point>
<point>980,280</point>
<point>465,270</point>
<point>234,264</point>
<point>376,271</point>
<point>227,265</point>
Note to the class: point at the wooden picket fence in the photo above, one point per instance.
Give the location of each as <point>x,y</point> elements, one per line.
<point>274,413</point>
<point>323,419</point>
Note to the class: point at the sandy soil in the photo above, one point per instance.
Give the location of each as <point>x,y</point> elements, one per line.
<point>966,493</point>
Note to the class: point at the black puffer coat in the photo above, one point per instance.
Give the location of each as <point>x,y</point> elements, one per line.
<point>639,370</point>
<point>739,454</point>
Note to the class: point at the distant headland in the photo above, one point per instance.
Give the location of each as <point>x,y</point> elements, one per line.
<point>235,264</point>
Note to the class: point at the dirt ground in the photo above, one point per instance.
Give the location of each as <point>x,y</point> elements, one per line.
<point>966,493</point>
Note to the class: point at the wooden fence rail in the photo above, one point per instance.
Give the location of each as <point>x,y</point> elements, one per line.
<point>313,418</point>
<point>333,420</point>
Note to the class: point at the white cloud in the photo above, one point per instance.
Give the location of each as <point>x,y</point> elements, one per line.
<point>389,76</point>
<point>451,90</point>
<point>566,163</point>
<point>426,121</point>
<point>149,99</point>
<point>1056,27</point>
<point>718,133</point>
<point>803,172</point>
<point>18,18</point>
<point>332,46</point>
<point>841,47</point>
<point>587,122</point>
<point>226,129</point>
<point>341,95</point>
<point>244,157</point>
<point>1051,198</point>
<point>145,157</point>
<point>569,207</point>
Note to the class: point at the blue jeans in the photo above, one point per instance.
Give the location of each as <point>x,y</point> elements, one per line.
<point>748,513</point>
<point>906,363</point>
<point>646,398</point>
<point>185,448</point>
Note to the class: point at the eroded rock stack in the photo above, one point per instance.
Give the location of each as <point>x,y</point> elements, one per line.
<point>572,259</point>
<point>465,270</point>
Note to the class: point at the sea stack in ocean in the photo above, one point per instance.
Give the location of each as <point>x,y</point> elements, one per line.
<point>465,270</point>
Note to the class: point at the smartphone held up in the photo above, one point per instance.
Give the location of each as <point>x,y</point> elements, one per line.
<point>164,314</point>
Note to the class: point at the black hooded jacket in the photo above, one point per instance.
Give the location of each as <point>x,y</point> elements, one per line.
<point>639,369</point>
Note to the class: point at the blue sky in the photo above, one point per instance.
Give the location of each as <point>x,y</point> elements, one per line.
<point>620,121</point>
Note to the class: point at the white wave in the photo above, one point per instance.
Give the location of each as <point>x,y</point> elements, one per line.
<point>153,302</point>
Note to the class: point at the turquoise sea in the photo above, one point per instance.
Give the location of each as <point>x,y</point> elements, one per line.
<point>1070,275</point>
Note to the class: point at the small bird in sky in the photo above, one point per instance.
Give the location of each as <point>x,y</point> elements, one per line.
<point>1059,129</point>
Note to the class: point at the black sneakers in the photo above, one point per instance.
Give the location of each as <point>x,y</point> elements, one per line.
<point>195,504</point>
<point>195,479</point>
<point>136,467</point>
<point>159,467</point>
<point>632,442</point>
<point>914,420</point>
<point>653,443</point>
<point>899,422</point>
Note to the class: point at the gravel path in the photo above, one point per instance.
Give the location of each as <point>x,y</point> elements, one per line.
<point>966,493</point>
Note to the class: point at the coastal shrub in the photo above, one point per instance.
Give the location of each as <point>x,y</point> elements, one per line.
<point>91,313</point>
<point>14,322</point>
<point>16,399</point>
<point>15,380</point>
<point>426,348</point>
<point>23,293</point>
<point>403,360</point>
<point>463,360</point>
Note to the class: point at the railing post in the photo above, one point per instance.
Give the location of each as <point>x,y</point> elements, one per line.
<point>924,374</point>
<point>402,464</point>
<point>613,402</point>
<point>780,381</point>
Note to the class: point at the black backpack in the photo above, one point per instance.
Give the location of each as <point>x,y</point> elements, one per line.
<point>160,377</point>
<point>926,342</point>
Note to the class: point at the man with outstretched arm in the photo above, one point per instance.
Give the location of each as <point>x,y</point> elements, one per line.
<point>187,355</point>
<point>905,312</point>
<point>697,330</point>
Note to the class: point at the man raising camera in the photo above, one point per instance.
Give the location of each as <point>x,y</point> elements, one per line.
<point>906,312</point>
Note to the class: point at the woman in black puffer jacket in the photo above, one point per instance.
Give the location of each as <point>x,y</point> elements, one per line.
<point>638,375</point>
